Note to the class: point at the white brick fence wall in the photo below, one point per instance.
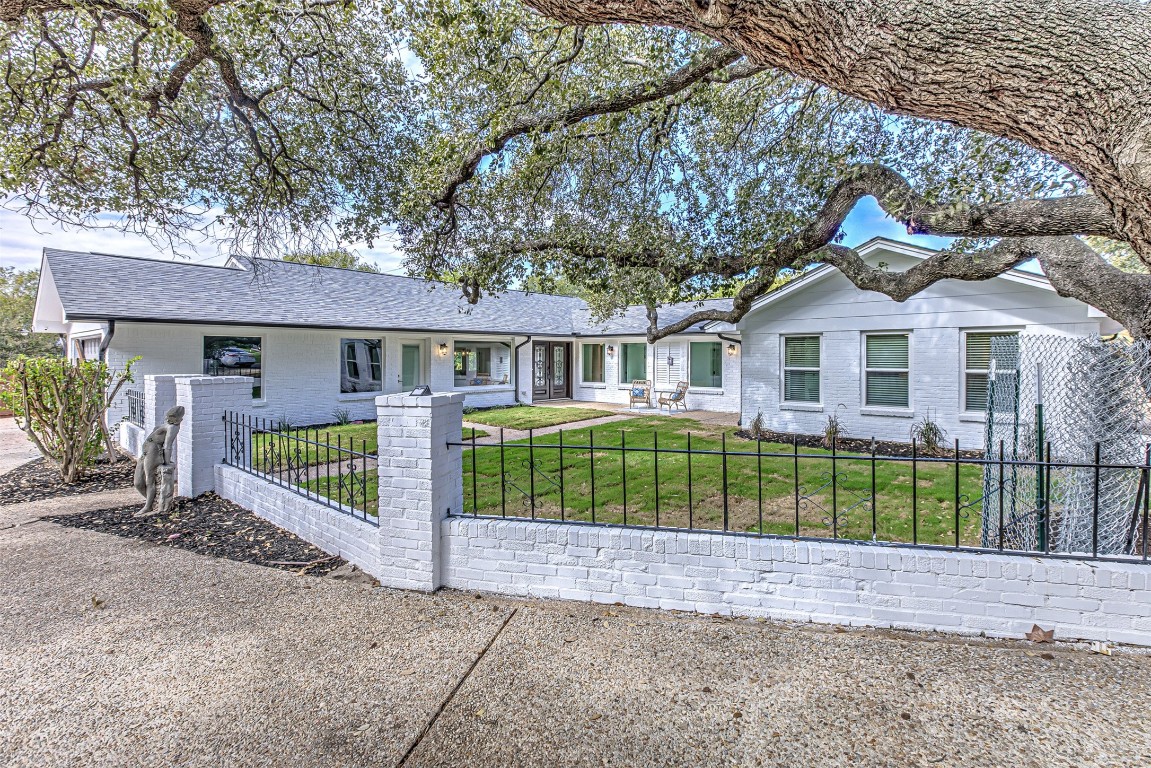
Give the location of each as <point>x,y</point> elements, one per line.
<point>423,542</point>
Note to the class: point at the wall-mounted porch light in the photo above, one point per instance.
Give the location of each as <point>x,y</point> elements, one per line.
<point>610,351</point>
<point>443,350</point>
<point>731,350</point>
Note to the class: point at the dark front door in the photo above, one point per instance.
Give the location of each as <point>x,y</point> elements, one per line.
<point>550,379</point>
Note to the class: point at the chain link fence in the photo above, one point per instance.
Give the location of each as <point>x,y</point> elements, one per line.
<point>1054,401</point>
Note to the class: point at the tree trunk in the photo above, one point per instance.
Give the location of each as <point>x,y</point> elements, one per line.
<point>1068,78</point>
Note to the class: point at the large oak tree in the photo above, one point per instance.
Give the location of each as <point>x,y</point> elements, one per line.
<point>650,151</point>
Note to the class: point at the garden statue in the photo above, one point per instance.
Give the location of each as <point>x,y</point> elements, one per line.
<point>156,466</point>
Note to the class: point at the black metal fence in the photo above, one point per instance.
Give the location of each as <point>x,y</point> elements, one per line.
<point>950,498</point>
<point>332,469</point>
<point>135,406</point>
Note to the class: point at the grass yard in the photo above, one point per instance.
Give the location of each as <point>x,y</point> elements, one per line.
<point>360,438</point>
<point>365,497</point>
<point>531,417</point>
<point>759,500</point>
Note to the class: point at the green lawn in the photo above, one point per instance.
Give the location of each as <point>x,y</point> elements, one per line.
<point>365,498</point>
<point>757,501</point>
<point>532,417</point>
<point>361,438</point>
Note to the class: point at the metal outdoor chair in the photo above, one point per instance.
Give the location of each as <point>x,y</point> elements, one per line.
<point>676,399</point>
<point>640,393</point>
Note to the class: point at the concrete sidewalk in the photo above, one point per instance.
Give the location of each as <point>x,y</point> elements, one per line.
<point>15,447</point>
<point>194,661</point>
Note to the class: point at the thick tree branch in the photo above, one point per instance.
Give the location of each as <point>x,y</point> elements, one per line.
<point>1038,228</point>
<point>710,63</point>
<point>1068,78</point>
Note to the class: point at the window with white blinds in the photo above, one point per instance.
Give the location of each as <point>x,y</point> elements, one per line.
<point>887,370</point>
<point>979,350</point>
<point>801,369</point>
<point>669,365</point>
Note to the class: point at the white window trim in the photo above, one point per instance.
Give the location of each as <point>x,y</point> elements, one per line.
<point>798,405</point>
<point>885,410</point>
<point>583,382</point>
<point>964,413</point>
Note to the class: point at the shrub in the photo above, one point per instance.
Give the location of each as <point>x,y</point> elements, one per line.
<point>62,406</point>
<point>833,430</point>
<point>929,435</point>
<point>757,429</point>
<point>341,417</point>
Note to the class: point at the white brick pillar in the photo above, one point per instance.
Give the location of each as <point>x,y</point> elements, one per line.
<point>159,397</point>
<point>421,481</point>
<point>201,443</point>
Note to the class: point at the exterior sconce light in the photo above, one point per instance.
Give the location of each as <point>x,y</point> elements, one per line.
<point>610,351</point>
<point>731,350</point>
<point>443,350</point>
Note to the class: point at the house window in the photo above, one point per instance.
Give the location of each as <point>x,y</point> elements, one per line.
<point>88,349</point>
<point>980,348</point>
<point>886,371</point>
<point>632,362</point>
<point>482,363</point>
<point>361,365</point>
<point>463,361</point>
<point>593,365</point>
<point>801,369</point>
<point>705,365</point>
<point>235,356</point>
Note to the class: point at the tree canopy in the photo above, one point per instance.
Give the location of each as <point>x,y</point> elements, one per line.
<point>17,303</point>
<point>335,258</point>
<point>641,152</point>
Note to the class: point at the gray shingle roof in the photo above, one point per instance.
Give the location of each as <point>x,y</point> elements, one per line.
<point>94,286</point>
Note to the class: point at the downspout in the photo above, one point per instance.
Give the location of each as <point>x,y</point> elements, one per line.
<point>106,340</point>
<point>516,363</point>
<point>102,357</point>
<point>729,338</point>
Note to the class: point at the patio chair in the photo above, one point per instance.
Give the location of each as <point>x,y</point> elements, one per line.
<point>640,393</point>
<point>676,399</point>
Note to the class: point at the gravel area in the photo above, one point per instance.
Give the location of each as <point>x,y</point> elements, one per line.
<point>38,479</point>
<point>208,525</point>
<point>117,652</point>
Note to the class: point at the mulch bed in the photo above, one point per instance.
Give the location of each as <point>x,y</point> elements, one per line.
<point>39,479</point>
<point>209,525</point>
<point>854,445</point>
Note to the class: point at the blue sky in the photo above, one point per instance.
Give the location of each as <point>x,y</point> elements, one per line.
<point>22,240</point>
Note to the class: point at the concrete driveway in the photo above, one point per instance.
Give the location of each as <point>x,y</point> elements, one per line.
<point>117,653</point>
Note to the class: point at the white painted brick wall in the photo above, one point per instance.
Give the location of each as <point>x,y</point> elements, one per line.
<point>131,438</point>
<point>421,481</point>
<point>833,583</point>
<point>331,530</point>
<point>935,318</point>
<point>201,442</point>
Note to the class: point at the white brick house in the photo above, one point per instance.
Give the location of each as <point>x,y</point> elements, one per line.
<point>324,336</point>
<point>321,340</point>
<point>821,346</point>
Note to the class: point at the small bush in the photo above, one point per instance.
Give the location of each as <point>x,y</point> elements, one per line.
<point>758,429</point>
<point>834,430</point>
<point>341,417</point>
<point>929,435</point>
<point>62,405</point>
